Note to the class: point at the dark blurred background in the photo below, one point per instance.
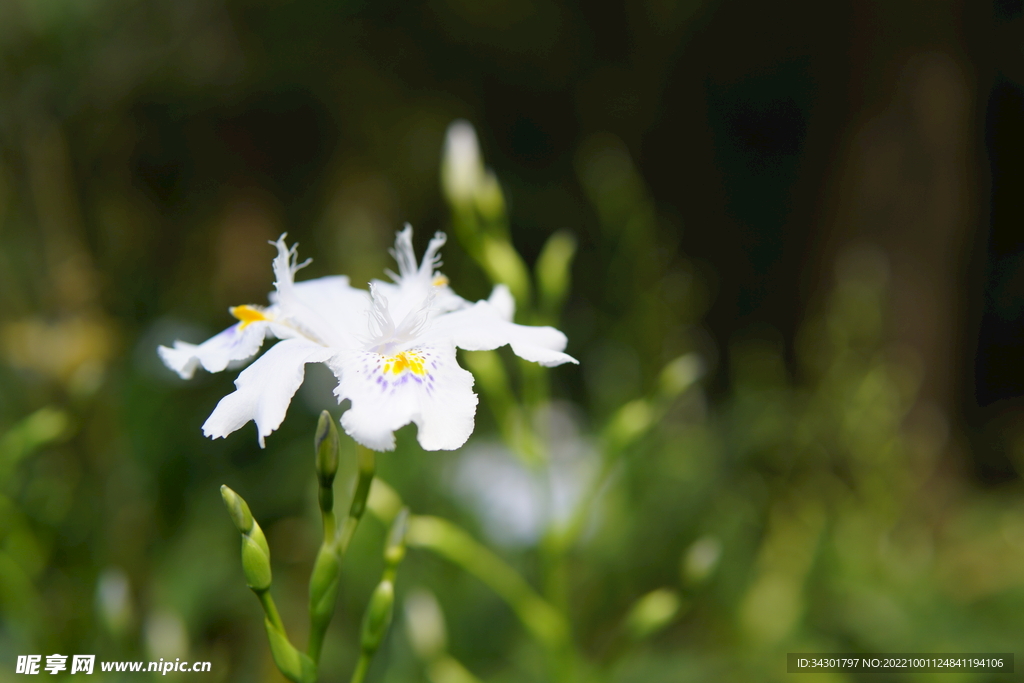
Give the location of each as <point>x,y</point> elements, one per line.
<point>148,149</point>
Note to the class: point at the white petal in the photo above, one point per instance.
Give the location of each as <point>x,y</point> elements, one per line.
<point>313,309</point>
<point>437,395</point>
<point>238,342</point>
<point>403,253</point>
<point>407,297</point>
<point>483,327</point>
<point>326,309</point>
<point>432,256</point>
<point>413,283</point>
<point>264,389</point>
<point>503,301</point>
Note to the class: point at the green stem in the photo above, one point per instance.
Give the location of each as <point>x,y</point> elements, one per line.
<point>574,527</point>
<point>330,525</point>
<point>362,666</point>
<point>323,584</point>
<point>348,530</point>
<point>270,609</point>
<point>542,620</point>
<point>382,602</point>
<point>317,633</point>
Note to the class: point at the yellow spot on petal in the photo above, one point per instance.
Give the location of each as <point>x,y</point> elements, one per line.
<point>405,360</point>
<point>248,314</point>
<point>440,281</point>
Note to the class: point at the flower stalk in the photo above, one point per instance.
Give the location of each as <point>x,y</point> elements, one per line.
<point>295,666</point>
<point>382,602</point>
<point>326,576</point>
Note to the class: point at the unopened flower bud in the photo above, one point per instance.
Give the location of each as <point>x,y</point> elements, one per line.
<point>255,565</point>
<point>238,510</point>
<point>553,269</point>
<point>394,551</point>
<point>327,446</point>
<point>504,266</point>
<point>378,615</point>
<point>367,468</point>
<point>295,665</point>
<point>462,169</point>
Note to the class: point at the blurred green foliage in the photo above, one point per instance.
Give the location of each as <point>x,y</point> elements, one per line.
<point>639,528</point>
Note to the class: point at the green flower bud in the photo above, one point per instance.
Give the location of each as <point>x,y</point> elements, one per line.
<point>367,468</point>
<point>490,200</point>
<point>255,551</point>
<point>327,446</point>
<point>394,550</point>
<point>238,510</point>
<point>295,666</point>
<point>256,534</point>
<point>504,265</point>
<point>378,615</point>
<point>384,502</point>
<point>255,564</point>
<point>553,269</point>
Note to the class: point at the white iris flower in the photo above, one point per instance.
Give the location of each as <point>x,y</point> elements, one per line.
<point>400,370</point>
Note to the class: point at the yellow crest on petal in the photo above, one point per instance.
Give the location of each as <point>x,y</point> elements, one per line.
<point>248,314</point>
<point>405,360</point>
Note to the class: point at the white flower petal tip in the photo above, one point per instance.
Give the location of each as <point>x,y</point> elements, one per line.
<point>484,327</point>
<point>238,342</point>
<point>409,268</point>
<point>182,358</point>
<point>265,389</point>
<point>286,263</point>
<point>503,302</point>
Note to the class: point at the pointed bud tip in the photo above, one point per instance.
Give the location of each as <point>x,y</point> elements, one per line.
<point>323,426</point>
<point>327,446</point>
<point>237,508</point>
<point>399,527</point>
<point>394,551</point>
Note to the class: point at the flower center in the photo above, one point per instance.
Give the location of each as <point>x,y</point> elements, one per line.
<point>248,314</point>
<point>404,360</point>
